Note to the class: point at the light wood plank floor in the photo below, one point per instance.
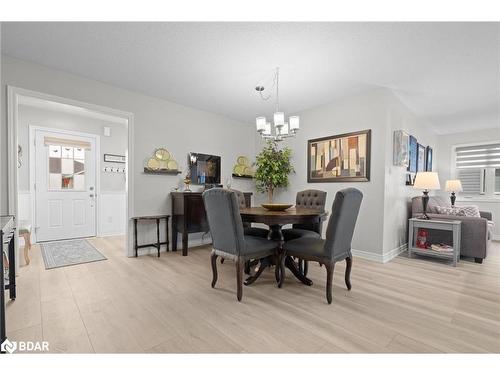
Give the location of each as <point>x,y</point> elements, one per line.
<point>166,305</point>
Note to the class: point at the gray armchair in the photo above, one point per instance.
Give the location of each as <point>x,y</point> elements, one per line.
<point>228,238</point>
<point>476,234</point>
<point>337,246</point>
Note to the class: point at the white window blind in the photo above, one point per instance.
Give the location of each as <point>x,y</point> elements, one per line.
<point>471,180</point>
<point>480,156</point>
<point>497,181</point>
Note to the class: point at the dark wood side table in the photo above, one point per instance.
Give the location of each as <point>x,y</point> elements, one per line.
<point>189,216</point>
<point>7,232</point>
<point>158,244</point>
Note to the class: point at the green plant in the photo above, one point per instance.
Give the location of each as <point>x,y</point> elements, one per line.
<point>273,167</point>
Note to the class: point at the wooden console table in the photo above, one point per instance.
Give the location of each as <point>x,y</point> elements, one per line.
<point>188,216</point>
<point>7,232</point>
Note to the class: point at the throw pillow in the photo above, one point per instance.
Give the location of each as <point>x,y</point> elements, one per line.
<point>455,211</point>
<point>471,211</point>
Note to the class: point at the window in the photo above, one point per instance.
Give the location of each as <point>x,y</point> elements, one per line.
<point>478,168</point>
<point>66,168</point>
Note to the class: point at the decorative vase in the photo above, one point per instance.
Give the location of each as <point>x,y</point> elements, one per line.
<point>187,182</point>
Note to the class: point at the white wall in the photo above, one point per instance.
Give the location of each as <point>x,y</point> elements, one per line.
<point>446,144</point>
<point>397,196</point>
<point>359,112</point>
<point>158,123</point>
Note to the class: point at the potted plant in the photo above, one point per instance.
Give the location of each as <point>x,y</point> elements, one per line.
<point>273,167</point>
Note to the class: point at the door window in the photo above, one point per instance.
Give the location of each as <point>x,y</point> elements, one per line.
<point>66,168</point>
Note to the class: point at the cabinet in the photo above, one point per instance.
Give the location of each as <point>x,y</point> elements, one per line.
<point>188,216</point>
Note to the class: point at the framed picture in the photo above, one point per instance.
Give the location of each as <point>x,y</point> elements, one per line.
<point>428,159</point>
<point>110,158</point>
<point>339,158</point>
<point>412,151</point>
<point>400,148</point>
<point>421,158</point>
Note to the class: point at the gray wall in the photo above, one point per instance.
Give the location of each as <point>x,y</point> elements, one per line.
<point>158,123</point>
<point>115,144</point>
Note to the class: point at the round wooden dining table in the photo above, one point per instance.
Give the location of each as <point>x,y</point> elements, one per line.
<point>275,220</point>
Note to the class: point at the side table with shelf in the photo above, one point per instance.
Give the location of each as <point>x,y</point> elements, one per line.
<point>453,226</point>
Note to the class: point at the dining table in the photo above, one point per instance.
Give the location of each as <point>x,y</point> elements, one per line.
<point>276,220</point>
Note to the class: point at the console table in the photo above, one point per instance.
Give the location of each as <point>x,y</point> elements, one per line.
<point>188,216</point>
<point>7,232</point>
<point>453,226</point>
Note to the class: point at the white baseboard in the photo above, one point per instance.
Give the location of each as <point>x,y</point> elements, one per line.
<point>380,258</point>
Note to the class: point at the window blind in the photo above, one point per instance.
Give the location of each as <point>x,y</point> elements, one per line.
<point>471,180</point>
<point>479,156</point>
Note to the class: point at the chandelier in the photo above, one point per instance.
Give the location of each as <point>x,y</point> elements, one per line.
<point>281,129</point>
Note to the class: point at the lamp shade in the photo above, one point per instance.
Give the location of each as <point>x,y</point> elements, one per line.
<point>267,130</point>
<point>279,119</point>
<point>427,181</point>
<point>260,122</point>
<point>453,186</point>
<point>294,123</point>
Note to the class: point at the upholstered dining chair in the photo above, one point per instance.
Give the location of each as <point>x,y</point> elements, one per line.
<point>228,238</point>
<point>314,199</point>
<point>247,227</point>
<point>337,245</point>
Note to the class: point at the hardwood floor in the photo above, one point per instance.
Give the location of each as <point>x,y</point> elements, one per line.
<point>166,305</point>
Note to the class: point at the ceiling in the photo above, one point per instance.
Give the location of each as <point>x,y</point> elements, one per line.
<point>448,73</point>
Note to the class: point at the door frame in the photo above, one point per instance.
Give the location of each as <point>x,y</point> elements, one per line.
<point>13,96</point>
<point>32,178</point>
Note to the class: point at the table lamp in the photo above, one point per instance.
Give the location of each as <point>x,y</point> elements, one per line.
<point>426,181</point>
<point>454,186</point>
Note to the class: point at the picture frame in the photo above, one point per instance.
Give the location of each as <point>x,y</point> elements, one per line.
<point>112,158</point>
<point>421,166</point>
<point>412,153</point>
<point>428,159</point>
<point>401,156</point>
<point>339,158</point>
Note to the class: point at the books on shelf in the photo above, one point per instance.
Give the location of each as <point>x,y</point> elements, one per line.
<point>442,248</point>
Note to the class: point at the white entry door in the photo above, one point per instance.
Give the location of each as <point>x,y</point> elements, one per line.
<point>65,176</point>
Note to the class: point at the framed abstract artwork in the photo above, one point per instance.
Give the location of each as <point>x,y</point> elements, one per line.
<point>421,158</point>
<point>339,158</point>
<point>400,156</point>
<point>428,159</point>
<point>413,154</point>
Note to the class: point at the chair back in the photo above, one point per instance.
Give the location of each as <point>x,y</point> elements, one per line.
<point>342,221</point>
<point>224,220</point>
<point>242,204</point>
<point>314,199</point>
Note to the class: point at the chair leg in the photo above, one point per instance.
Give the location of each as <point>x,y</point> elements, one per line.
<point>282,259</point>
<point>348,268</point>
<point>214,269</point>
<point>306,267</point>
<point>239,278</point>
<point>329,281</point>
<point>277,267</point>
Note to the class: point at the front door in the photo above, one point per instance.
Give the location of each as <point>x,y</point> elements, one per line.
<point>65,197</point>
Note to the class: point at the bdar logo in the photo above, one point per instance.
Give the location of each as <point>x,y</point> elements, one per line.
<point>8,346</point>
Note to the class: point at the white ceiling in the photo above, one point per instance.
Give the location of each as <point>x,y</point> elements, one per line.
<point>448,73</point>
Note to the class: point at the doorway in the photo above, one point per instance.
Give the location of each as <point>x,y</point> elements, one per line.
<point>68,186</point>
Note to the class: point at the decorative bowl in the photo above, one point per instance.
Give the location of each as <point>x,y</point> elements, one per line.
<point>276,206</point>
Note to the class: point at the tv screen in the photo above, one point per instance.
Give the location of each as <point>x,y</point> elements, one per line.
<point>205,169</point>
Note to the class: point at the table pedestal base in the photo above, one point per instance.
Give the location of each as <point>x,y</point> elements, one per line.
<point>275,234</point>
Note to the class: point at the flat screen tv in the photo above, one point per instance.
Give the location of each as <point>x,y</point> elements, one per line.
<point>205,169</point>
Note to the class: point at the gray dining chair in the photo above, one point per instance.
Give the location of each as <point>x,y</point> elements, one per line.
<point>247,227</point>
<point>337,245</point>
<point>228,238</point>
<point>311,198</point>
